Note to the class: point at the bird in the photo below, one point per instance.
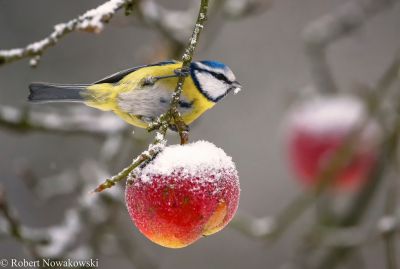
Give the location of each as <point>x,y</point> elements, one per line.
<point>140,94</point>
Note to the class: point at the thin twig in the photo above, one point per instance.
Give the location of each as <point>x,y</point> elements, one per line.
<point>172,116</point>
<point>356,210</point>
<point>24,120</point>
<point>326,30</point>
<point>388,223</point>
<point>15,229</point>
<point>361,202</point>
<point>153,149</point>
<point>340,158</point>
<point>91,21</point>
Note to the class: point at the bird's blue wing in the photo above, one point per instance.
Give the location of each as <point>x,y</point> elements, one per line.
<point>119,75</point>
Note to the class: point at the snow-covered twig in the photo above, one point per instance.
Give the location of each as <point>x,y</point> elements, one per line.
<point>174,25</point>
<point>324,31</point>
<point>360,203</point>
<point>153,149</point>
<point>83,230</point>
<point>254,227</point>
<point>11,225</point>
<point>91,21</point>
<point>172,116</point>
<point>357,236</point>
<point>279,224</point>
<point>22,120</point>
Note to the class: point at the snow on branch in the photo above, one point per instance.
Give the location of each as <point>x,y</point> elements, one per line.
<point>73,122</point>
<point>172,117</point>
<point>176,25</point>
<point>91,21</point>
<point>84,227</point>
<point>165,20</point>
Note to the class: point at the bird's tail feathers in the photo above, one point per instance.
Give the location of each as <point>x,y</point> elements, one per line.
<point>46,92</point>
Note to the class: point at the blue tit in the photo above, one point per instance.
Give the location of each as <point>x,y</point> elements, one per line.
<point>139,95</point>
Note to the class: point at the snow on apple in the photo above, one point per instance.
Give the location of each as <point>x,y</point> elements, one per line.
<point>185,192</point>
<point>317,128</point>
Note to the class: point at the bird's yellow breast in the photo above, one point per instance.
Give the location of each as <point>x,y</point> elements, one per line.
<point>105,96</point>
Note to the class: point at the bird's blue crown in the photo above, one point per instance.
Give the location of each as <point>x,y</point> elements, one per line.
<point>214,64</point>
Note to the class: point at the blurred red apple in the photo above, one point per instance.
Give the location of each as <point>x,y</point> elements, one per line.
<point>317,128</point>
<point>186,192</point>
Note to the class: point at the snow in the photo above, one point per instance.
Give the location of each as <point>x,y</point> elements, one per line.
<point>159,136</point>
<point>38,46</point>
<point>94,18</point>
<point>327,115</point>
<point>387,224</point>
<point>191,159</point>
<point>92,21</point>
<point>155,148</point>
<point>34,61</point>
<point>235,7</point>
<point>61,236</point>
<point>11,52</point>
<point>108,122</point>
<point>151,9</point>
<point>10,114</point>
<point>262,226</point>
<point>237,90</point>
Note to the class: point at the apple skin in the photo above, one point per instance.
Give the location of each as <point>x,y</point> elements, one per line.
<point>318,128</point>
<point>176,210</point>
<point>310,152</point>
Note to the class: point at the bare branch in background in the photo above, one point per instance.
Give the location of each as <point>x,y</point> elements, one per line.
<point>92,222</point>
<point>74,122</point>
<point>154,15</point>
<point>85,227</point>
<point>237,9</point>
<point>12,226</point>
<point>91,21</point>
<point>324,31</point>
<point>273,227</point>
<point>172,116</point>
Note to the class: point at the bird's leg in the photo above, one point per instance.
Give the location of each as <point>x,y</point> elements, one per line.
<point>180,72</point>
<point>184,137</point>
<point>184,133</point>
<point>174,128</point>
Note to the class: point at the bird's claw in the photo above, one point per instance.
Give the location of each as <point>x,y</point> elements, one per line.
<point>182,72</point>
<point>174,128</point>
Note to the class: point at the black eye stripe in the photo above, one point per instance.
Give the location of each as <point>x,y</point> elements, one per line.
<point>214,74</point>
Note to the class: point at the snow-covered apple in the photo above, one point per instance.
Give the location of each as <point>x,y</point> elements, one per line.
<point>317,128</point>
<point>185,192</point>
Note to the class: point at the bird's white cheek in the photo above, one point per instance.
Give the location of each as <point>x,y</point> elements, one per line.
<point>213,87</point>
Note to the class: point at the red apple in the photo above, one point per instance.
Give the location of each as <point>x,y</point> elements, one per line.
<point>186,192</point>
<point>317,128</point>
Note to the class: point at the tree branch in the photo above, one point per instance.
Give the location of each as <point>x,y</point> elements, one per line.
<point>91,21</point>
<point>22,120</point>
<point>342,22</point>
<point>356,210</point>
<point>172,116</point>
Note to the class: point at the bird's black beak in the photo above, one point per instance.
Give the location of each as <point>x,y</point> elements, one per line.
<point>235,87</point>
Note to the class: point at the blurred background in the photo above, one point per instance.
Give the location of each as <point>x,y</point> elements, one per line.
<point>47,175</point>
